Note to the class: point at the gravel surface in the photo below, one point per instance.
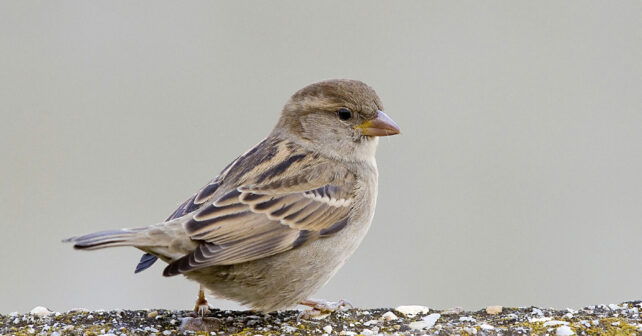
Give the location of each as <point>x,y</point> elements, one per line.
<point>612,319</point>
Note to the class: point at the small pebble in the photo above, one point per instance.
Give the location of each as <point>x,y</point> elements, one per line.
<point>152,314</point>
<point>370,322</point>
<point>412,311</point>
<point>327,329</point>
<point>470,330</point>
<point>486,326</point>
<point>389,316</point>
<point>614,307</point>
<point>426,322</point>
<point>40,311</point>
<point>452,311</point>
<point>494,310</point>
<point>564,331</point>
<point>554,323</point>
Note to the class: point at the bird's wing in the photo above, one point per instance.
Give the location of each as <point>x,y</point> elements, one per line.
<point>192,204</point>
<point>287,200</point>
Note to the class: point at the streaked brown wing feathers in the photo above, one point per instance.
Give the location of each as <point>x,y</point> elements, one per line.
<point>270,213</point>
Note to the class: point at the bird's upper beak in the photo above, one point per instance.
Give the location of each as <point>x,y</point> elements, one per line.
<point>382,125</point>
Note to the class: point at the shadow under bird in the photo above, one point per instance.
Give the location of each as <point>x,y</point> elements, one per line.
<point>280,220</point>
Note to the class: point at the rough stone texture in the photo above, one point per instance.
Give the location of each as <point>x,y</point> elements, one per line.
<point>622,319</point>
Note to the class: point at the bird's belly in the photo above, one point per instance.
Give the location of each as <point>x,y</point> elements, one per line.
<point>283,280</point>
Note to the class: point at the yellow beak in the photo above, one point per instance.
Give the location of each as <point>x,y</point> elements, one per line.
<point>382,125</point>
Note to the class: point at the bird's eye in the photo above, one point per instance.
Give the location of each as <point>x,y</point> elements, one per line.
<point>344,113</point>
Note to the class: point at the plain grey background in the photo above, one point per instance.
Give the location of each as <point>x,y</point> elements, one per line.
<point>517,179</point>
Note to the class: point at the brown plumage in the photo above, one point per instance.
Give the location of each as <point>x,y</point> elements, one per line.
<point>279,220</point>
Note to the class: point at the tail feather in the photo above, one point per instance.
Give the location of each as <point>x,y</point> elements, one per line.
<point>111,238</point>
<point>146,261</point>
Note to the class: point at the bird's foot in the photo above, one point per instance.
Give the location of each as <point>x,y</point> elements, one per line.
<point>321,308</point>
<point>202,307</point>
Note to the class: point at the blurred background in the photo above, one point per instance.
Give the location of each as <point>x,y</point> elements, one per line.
<point>517,179</point>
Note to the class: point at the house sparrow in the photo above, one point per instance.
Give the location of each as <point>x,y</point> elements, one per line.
<point>282,218</point>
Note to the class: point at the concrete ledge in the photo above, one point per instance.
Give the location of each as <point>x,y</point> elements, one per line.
<point>622,319</point>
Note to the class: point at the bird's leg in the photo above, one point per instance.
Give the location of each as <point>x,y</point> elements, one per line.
<point>201,307</point>
<point>320,307</point>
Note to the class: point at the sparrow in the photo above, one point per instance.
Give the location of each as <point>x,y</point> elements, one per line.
<point>279,221</point>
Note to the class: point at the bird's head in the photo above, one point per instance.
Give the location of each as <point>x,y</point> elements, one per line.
<point>340,118</point>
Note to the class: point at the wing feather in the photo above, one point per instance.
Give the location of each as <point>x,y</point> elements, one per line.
<point>290,200</point>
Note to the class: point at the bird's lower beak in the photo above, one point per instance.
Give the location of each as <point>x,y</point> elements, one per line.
<point>382,125</point>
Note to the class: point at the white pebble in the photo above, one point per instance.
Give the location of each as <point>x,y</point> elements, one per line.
<point>564,331</point>
<point>367,332</point>
<point>40,311</point>
<point>554,323</point>
<point>389,316</point>
<point>412,311</point>
<point>494,310</point>
<point>288,329</point>
<point>55,333</point>
<point>486,326</point>
<point>471,331</point>
<point>167,332</point>
<point>537,311</point>
<point>467,319</point>
<point>327,329</point>
<point>425,323</point>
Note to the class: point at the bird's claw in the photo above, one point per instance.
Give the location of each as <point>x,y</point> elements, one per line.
<point>202,307</point>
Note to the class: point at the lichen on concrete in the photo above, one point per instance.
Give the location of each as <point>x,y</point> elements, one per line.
<point>622,319</point>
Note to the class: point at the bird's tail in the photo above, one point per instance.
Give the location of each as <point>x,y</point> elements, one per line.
<point>125,237</point>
